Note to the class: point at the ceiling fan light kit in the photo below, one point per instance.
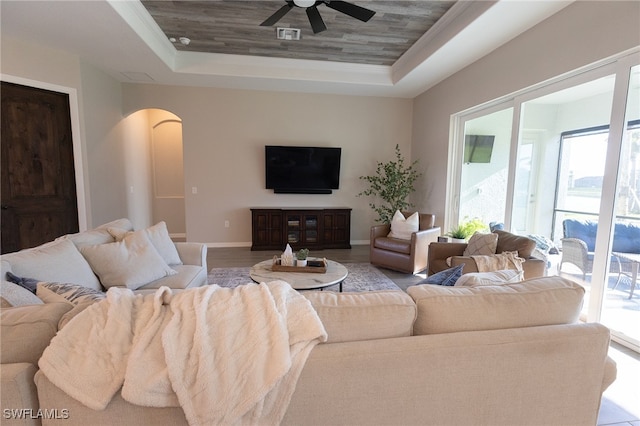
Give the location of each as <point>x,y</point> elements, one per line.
<point>304,3</point>
<point>311,7</point>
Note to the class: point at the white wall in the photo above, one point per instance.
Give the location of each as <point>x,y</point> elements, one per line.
<point>136,166</point>
<point>580,34</point>
<point>98,115</point>
<point>224,134</point>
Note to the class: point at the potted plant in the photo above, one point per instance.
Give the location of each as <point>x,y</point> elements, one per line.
<point>301,257</point>
<point>393,183</point>
<point>465,229</point>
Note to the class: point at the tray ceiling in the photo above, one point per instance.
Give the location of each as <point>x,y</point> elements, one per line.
<point>233,27</point>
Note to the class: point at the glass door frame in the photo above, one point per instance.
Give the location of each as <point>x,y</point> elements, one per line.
<point>456,153</point>
<point>620,66</point>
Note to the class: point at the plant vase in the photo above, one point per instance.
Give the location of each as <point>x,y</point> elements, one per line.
<point>301,262</point>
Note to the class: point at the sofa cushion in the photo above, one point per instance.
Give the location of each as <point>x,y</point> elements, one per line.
<point>512,242</point>
<point>188,276</point>
<point>402,227</point>
<point>99,235</point>
<point>447,277</point>
<point>159,237</point>
<point>15,295</point>
<point>481,245</point>
<point>27,331</point>
<point>536,302</point>
<point>507,276</point>
<point>132,262</point>
<point>393,244</point>
<point>58,261</point>
<point>364,316</point>
<point>123,223</point>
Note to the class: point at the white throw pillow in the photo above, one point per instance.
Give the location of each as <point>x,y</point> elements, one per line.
<point>159,237</point>
<point>402,228</point>
<point>58,261</point>
<point>481,245</point>
<point>132,262</point>
<point>507,276</point>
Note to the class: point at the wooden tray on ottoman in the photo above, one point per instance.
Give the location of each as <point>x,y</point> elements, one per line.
<point>318,266</point>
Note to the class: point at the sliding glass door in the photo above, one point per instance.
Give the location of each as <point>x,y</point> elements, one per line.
<point>621,300</point>
<point>565,168</point>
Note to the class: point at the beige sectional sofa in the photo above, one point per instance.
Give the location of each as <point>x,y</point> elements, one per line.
<point>511,354</point>
<point>113,255</point>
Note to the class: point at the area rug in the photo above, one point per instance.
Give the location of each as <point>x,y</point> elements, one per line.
<point>362,277</point>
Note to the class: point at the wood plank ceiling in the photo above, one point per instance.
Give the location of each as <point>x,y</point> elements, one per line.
<point>233,27</point>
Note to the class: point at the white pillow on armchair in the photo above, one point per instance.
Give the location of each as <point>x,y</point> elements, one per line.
<point>402,228</point>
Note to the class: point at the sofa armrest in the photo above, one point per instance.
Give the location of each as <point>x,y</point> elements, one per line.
<point>421,240</point>
<point>574,248</point>
<point>610,373</point>
<point>445,250</point>
<point>19,398</point>
<point>438,254</point>
<point>193,253</point>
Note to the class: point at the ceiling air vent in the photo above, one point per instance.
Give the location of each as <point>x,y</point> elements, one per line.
<point>287,33</point>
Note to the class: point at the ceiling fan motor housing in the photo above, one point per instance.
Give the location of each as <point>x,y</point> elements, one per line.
<point>311,7</point>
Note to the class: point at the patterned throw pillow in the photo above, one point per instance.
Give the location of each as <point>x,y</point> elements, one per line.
<point>72,293</point>
<point>447,277</point>
<point>481,244</point>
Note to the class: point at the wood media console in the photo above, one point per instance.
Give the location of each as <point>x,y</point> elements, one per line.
<point>312,228</point>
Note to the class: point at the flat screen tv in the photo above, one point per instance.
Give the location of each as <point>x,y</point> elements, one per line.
<point>478,148</point>
<point>302,169</point>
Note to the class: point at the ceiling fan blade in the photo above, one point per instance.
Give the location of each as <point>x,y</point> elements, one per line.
<point>317,24</point>
<point>351,9</point>
<point>278,15</point>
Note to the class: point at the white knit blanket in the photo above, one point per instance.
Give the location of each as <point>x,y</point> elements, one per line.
<point>226,356</point>
<point>499,262</point>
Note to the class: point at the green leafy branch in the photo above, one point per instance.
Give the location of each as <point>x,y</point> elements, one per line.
<point>392,183</point>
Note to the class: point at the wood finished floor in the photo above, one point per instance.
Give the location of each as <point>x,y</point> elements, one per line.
<point>620,403</point>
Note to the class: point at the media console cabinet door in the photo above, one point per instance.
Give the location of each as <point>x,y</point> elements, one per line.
<point>267,230</point>
<point>273,228</point>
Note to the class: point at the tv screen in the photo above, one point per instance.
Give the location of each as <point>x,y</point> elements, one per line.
<point>478,148</point>
<point>301,169</point>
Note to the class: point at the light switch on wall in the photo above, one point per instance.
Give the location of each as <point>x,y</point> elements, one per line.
<point>194,189</point>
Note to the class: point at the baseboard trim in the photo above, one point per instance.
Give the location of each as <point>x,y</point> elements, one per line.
<point>228,245</point>
<point>248,244</point>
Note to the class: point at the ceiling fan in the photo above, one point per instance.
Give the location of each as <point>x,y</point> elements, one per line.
<point>311,6</point>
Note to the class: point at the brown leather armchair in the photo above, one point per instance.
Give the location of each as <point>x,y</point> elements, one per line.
<point>408,256</point>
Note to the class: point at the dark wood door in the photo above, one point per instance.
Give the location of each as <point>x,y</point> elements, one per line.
<point>38,194</point>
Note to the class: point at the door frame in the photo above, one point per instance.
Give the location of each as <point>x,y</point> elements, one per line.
<point>78,156</point>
